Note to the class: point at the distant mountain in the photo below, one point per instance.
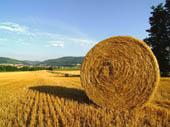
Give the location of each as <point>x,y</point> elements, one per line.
<point>31,62</point>
<point>63,61</point>
<point>5,60</point>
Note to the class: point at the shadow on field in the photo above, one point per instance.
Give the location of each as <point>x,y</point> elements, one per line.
<point>64,92</point>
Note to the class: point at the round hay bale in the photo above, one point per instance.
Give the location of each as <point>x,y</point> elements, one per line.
<point>120,73</point>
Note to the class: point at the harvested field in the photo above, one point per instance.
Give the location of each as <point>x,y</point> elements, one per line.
<point>72,73</point>
<point>42,98</point>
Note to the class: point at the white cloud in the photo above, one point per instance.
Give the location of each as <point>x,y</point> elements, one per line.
<point>82,41</point>
<point>58,44</point>
<point>13,27</point>
<point>58,40</point>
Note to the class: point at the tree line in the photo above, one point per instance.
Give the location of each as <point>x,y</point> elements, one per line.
<point>159,35</point>
<point>24,68</point>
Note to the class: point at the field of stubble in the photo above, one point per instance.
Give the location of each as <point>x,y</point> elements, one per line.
<point>54,99</point>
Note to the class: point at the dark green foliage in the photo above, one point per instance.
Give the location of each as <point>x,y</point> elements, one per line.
<point>167,8</point>
<point>8,68</point>
<point>159,38</point>
<point>24,68</point>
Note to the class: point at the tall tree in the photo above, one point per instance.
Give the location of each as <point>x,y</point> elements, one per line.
<point>167,8</point>
<point>158,37</point>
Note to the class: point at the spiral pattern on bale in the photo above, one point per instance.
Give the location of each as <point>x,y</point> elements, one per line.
<point>120,73</point>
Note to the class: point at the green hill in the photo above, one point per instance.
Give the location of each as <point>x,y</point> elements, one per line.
<point>31,62</point>
<point>63,61</point>
<point>5,60</point>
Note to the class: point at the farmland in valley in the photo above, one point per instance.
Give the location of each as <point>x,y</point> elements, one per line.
<point>46,99</point>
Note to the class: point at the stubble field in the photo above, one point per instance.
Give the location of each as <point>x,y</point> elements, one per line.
<point>56,99</point>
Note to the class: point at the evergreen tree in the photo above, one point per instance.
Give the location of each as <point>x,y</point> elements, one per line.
<point>167,8</point>
<point>158,37</point>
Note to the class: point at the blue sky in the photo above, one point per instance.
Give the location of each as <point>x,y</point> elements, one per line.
<point>45,29</point>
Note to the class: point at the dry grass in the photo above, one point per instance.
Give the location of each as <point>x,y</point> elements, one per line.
<point>73,72</point>
<point>46,99</point>
<point>64,73</point>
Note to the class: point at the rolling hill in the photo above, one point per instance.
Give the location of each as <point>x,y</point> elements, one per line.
<point>31,62</point>
<point>63,61</point>
<point>5,60</point>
